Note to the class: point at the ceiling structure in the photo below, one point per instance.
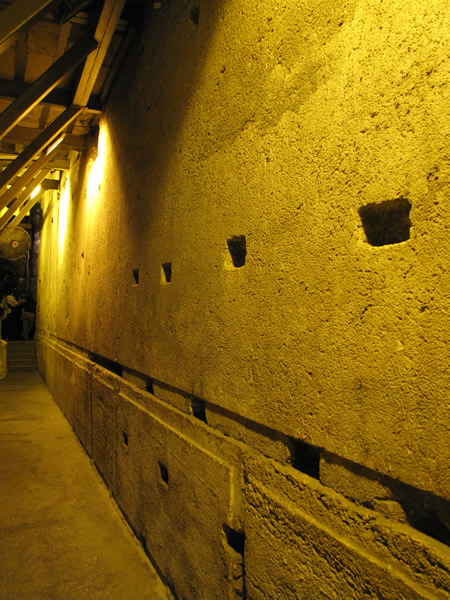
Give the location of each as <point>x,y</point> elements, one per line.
<point>58,60</point>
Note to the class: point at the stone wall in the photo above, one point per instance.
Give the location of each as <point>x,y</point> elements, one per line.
<point>243,301</point>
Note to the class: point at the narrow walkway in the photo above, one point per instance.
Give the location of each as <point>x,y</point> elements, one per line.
<point>61,535</point>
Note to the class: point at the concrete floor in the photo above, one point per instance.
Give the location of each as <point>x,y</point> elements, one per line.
<point>61,535</point>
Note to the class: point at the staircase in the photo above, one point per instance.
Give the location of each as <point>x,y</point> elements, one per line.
<point>21,356</point>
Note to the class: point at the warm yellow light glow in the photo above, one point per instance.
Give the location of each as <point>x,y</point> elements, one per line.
<point>96,171</point>
<point>55,145</point>
<point>63,214</point>
<point>35,192</point>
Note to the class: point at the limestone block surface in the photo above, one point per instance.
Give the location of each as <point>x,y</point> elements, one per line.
<point>305,541</point>
<point>68,378</point>
<point>104,427</point>
<point>178,498</point>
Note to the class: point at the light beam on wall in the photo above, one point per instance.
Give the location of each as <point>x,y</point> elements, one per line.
<point>96,172</point>
<point>63,214</point>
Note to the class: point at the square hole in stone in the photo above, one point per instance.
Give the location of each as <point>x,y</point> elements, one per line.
<point>237,246</point>
<point>305,457</point>
<point>149,385</point>
<point>198,409</point>
<point>166,272</point>
<point>386,222</point>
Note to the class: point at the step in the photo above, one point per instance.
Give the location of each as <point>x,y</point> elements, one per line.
<point>21,348</point>
<point>21,360</point>
<point>21,355</point>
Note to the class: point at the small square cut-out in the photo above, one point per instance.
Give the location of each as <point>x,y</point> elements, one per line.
<point>386,222</point>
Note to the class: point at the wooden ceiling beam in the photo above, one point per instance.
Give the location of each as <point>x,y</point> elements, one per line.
<point>56,164</point>
<point>19,135</point>
<point>57,97</point>
<point>24,179</point>
<point>8,43</point>
<point>26,208</point>
<point>51,184</point>
<point>21,198</point>
<point>14,89</point>
<point>44,84</point>
<point>107,23</point>
<point>38,144</point>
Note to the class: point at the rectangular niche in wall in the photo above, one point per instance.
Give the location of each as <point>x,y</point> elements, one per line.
<point>387,222</point>
<point>237,249</point>
<point>166,272</point>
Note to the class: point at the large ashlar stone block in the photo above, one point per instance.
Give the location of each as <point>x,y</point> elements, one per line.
<point>68,378</point>
<point>181,500</point>
<point>103,426</point>
<point>306,541</point>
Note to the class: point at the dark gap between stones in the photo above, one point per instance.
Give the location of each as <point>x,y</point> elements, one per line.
<point>149,385</point>
<point>198,409</point>
<point>235,539</point>
<point>164,472</point>
<point>106,363</point>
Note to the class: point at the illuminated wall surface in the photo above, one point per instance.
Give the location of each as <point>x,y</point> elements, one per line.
<point>244,298</point>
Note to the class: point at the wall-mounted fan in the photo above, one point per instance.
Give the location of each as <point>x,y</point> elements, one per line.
<point>14,243</point>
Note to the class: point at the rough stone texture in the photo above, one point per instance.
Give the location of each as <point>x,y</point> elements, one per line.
<point>104,425</point>
<point>345,551</point>
<point>277,123</point>
<point>184,486</point>
<point>177,497</point>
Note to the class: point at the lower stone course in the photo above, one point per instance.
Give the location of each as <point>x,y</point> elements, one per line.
<point>220,518</point>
